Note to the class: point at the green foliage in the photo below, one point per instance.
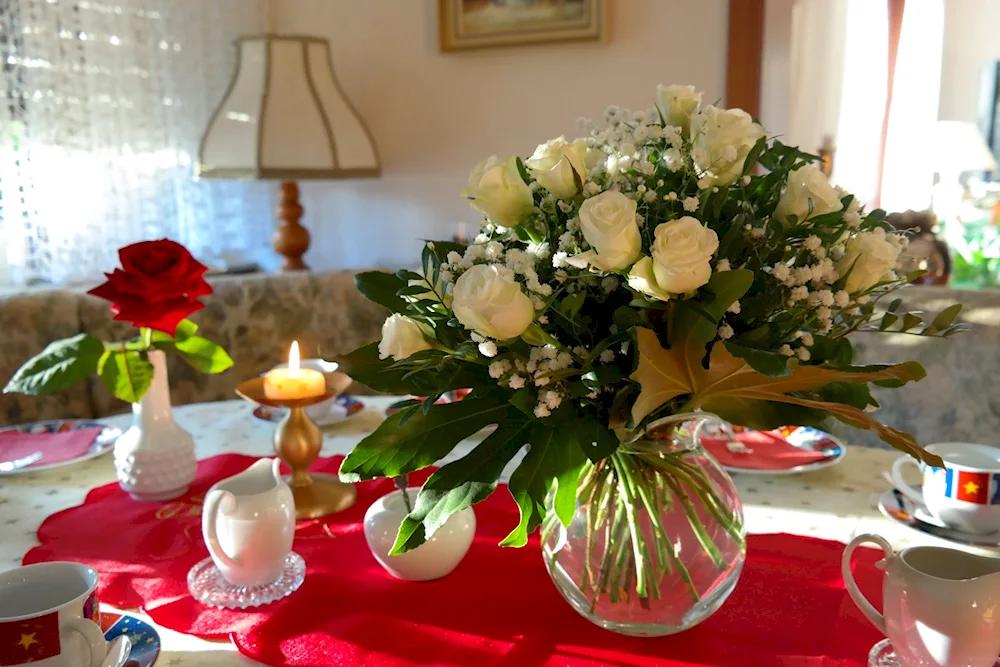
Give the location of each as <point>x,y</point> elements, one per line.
<point>423,374</point>
<point>396,448</point>
<point>382,288</point>
<point>59,365</point>
<point>127,373</point>
<point>463,483</point>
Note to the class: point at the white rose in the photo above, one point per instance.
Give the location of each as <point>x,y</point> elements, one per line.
<point>722,140</point>
<point>497,190</point>
<point>869,257</point>
<point>681,262</point>
<point>678,104</point>
<point>401,338</point>
<point>807,184</point>
<point>608,223</point>
<point>560,167</point>
<point>488,301</point>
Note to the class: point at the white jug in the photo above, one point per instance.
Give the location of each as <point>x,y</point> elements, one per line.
<point>249,524</point>
<point>941,605</point>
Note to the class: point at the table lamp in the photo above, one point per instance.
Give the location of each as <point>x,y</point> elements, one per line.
<point>285,117</point>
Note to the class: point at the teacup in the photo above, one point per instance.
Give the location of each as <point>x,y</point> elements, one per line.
<point>318,411</point>
<point>49,617</point>
<point>965,494</point>
<point>938,604</point>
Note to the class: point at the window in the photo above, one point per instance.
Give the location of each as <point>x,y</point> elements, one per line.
<point>104,103</point>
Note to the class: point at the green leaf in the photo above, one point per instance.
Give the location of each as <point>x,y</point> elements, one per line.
<point>535,335</point>
<point>523,171</point>
<point>381,288</point>
<point>721,291</point>
<point>887,321</point>
<point>525,399</point>
<point>204,355</point>
<point>943,319</point>
<point>396,448</point>
<point>463,483</point>
<point>571,305</point>
<point>59,365</point>
<point>909,321</point>
<point>185,329</point>
<point>127,373</point>
<point>754,155</point>
<point>422,374</point>
<point>550,460</point>
<point>894,306</point>
<point>767,363</point>
<point>593,438</point>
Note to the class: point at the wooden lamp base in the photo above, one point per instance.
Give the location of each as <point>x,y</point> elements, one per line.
<point>291,240</point>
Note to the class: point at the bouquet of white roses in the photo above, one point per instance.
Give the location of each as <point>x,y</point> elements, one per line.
<point>674,260</point>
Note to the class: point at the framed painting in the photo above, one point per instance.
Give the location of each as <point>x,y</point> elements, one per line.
<point>471,24</point>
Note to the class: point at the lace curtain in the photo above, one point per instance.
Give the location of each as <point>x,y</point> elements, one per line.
<point>104,104</point>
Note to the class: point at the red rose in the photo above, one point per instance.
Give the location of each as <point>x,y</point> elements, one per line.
<point>157,287</point>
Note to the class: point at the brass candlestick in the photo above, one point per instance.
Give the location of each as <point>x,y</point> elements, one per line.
<point>297,442</point>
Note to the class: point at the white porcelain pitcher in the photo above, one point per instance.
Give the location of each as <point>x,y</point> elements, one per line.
<point>249,524</point>
<point>942,606</point>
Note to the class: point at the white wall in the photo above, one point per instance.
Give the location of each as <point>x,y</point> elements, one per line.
<point>433,115</point>
<point>971,41</point>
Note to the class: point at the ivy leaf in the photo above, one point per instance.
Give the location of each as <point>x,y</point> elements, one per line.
<point>382,288</point>
<point>127,373</point>
<point>668,374</point>
<point>59,365</point>
<point>549,461</point>
<point>397,448</point>
<point>463,483</point>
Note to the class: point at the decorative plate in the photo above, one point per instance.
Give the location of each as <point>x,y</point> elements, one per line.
<point>341,408</point>
<point>144,637</point>
<point>898,507</point>
<point>803,437</point>
<point>103,443</point>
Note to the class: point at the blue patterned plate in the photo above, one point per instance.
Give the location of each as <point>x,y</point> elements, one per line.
<point>145,640</point>
<point>103,443</point>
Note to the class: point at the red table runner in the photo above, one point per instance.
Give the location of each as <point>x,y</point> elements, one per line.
<point>498,607</point>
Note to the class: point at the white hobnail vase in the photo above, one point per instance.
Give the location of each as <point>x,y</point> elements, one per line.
<point>155,458</point>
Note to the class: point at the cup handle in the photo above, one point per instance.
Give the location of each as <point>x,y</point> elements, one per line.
<point>877,619</point>
<point>213,504</point>
<point>91,634</point>
<point>900,483</point>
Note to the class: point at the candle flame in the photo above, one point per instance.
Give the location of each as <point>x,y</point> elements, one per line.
<point>293,357</point>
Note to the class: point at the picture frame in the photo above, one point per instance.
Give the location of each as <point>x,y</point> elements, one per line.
<point>476,24</point>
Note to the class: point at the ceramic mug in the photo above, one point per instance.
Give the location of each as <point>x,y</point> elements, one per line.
<point>248,523</point>
<point>965,494</point>
<point>938,604</point>
<point>49,617</point>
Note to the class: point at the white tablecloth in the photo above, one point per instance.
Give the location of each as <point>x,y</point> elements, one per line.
<point>837,503</point>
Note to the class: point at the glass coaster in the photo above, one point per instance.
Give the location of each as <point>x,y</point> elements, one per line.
<point>208,586</point>
<point>884,655</point>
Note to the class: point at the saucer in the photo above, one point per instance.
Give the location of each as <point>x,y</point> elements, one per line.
<point>343,407</point>
<point>208,586</point>
<point>802,437</point>
<point>143,636</point>
<point>894,505</point>
<point>884,655</point>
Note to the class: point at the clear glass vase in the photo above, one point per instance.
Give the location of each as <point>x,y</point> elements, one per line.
<point>657,542</point>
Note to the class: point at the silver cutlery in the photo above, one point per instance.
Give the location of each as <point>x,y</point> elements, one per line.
<point>17,464</point>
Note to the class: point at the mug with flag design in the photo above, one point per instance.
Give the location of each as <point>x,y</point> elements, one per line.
<point>49,617</point>
<point>963,495</point>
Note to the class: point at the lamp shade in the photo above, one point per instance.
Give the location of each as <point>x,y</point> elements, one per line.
<point>286,117</point>
<point>958,147</point>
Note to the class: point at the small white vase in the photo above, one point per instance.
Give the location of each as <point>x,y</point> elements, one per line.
<point>434,558</point>
<point>155,458</point>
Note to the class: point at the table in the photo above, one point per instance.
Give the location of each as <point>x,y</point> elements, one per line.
<point>835,504</point>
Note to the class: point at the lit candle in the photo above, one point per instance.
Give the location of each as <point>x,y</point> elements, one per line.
<point>290,383</point>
